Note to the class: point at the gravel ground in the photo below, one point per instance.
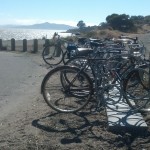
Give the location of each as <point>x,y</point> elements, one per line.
<point>33,125</point>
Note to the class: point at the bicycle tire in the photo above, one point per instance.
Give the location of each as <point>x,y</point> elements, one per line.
<point>51,55</point>
<point>61,99</point>
<point>123,65</point>
<point>136,89</point>
<point>75,91</point>
<point>65,57</point>
<point>79,62</point>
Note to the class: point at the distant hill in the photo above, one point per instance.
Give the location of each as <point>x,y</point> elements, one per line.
<point>46,25</point>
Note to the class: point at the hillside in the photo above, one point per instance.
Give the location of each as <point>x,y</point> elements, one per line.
<point>46,25</point>
<point>99,32</point>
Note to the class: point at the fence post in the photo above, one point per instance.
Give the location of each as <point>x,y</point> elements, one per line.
<point>24,45</point>
<point>13,44</point>
<point>35,45</point>
<point>0,44</point>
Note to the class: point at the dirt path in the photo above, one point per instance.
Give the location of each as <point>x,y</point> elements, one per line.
<point>21,76</point>
<point>28,123</point>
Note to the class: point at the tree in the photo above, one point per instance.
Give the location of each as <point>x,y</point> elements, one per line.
<point>120,22</point>
<point>81,24</point>
<point>147,19</point>
<point>137,19</point>
<point>110,18</point>
<point>103,24</point>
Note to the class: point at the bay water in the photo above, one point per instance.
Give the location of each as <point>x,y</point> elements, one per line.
<point>29,34</point>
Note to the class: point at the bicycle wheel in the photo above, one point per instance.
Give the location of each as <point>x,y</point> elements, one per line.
<point>65,97</point>
<point>73,84</point>
<point>52,55</point>
<point>65,57</point>
<point>79,62</point>
<point>136,89</point>
<point>115,66</point>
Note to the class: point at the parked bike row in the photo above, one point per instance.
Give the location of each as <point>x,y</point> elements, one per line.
<point>91,69</point>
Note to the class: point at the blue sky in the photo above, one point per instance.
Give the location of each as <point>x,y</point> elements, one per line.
<point>92,12</point>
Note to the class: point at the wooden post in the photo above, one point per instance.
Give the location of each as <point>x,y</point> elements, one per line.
<point>13,44</point>
<point>1,44</point>
<point>24,45</point>
<point>35,45</point>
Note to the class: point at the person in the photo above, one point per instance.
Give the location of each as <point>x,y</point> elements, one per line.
<point>56,36</point>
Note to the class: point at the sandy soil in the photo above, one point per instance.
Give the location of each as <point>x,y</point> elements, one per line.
<point>33,125</point>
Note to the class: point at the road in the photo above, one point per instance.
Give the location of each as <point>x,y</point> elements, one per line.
<point>20,78</point>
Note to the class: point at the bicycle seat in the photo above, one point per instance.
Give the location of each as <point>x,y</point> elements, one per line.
<point>84,51</point>
<point>96,44</point>
<point>94,40</point>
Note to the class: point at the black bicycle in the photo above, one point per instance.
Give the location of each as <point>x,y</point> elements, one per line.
<point>69,89</point>
<point>57,51</point>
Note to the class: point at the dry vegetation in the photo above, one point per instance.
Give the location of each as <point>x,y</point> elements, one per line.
<point>97,32</point>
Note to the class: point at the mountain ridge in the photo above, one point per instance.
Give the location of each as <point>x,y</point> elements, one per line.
<point>45,25</point>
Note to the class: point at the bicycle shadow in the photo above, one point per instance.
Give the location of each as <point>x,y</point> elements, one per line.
<point>122,117</point>
<point>72,126</point>
<point>83,126</point>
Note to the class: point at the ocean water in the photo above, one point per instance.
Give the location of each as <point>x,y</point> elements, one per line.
<point>29,34</point>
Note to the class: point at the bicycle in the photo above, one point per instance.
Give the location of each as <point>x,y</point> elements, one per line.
<point>67,83</point>
<point>57,51</point>
<point>76,85</point>
<point>60,50</point>
<point>125,59</point>
<point>61,98</point>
